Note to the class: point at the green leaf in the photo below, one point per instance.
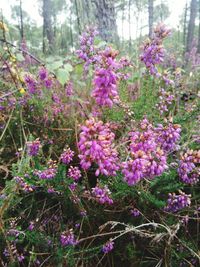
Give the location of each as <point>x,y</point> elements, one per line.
<point>19,57</point>
<point>68,67</point>
<point>55,65</point>
<point>62,76</point>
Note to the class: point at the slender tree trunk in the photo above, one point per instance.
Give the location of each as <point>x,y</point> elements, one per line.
<point>191,25</point>
<point>43,39</point>
<point>70,26</point>
<point>122,22</point>
<point>150,11</point>
<point>21,21</point>
<point>78,17</point>
<point>88,10</point>
<point>129,25</point>
<point>106,19</point>
<point>47,25</point>
<point>185,24</point>
<point>198,49</point>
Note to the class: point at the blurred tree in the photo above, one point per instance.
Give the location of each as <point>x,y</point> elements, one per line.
<point>198,50</point>
<point>47,26</point>
<point>185,23</point>
<point>191,25</point>
<point>57,7</point>
<point>21,20</point>
<point>78,16</point>
<point>19,15</point>
<point>105,15</point>
<point>161,12</point>
<point>151,15</point>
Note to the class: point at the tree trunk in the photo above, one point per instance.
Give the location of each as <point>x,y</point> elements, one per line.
<point>87,7</point>
<point>150,11</point>
<point>47,25</point>
<point>78,17</point>
<point>198,49</point>
<point>21,21</point>
<point>185,24</point>
<point>106,19</point>
<point>70,27</point>
<point>129,25</point>
<point>191,25</point>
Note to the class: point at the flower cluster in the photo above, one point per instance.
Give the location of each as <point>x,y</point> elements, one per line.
<point>135,212</point>
<point>44,77</point>
<point>96,146</point>
<point>147,159</point>
<point>177,202</point>
<point>108,246</point>
<point>69,89</point>
<point>68,239</point>
<point>33,147</point>
<point>105,79</point>
<point>87,51</point>
<point>67,156</point>
<point>106,75</point>
<point>74,173</point>
<point>188,170</point>
<point>47,174</point>
<point>43,73</point>
<point>23,185</point>
<point>165,100</point>
<point>168,136</point>
<point>102,195</point>
<point>153,51</point>
<point>31,84</point>
<point>19,256</point>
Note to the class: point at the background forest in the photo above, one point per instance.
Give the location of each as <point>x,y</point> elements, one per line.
<point>58,23</point>
<point>100,133</point>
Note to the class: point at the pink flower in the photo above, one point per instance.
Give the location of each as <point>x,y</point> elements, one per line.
<point>96,146</point>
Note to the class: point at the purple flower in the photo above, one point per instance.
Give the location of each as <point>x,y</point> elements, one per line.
<point>33,147</point>
<point>108,247</point>
<point>31,83</point>
<point>69,89</point>
<point>147,158</point>
<point>74,173</point>
<point>135,212</point>
<point>168,136</point>
<point>177,202</point>
<point>73,186</point>
<point>20,257</point>
<point>43,73</point>
<point>56,98</point>
<point>67,156</point>
<point>188,171</point>
<point>48,83</point>
<point>165,100</point>
<point>105,90</point>
<point>102,195</point>
<point>31,226</point>
<point>6,252</point>
<point>96,146</point>
<point>51,190</point>
<point>87,51</point>
<point>153,52</point>
<point>23,185</point>
<point>47,174</point>
<point>83,213</point>
<point>68,239</point>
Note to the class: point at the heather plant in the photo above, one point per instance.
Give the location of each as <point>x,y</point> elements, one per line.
<point>90,175</point>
